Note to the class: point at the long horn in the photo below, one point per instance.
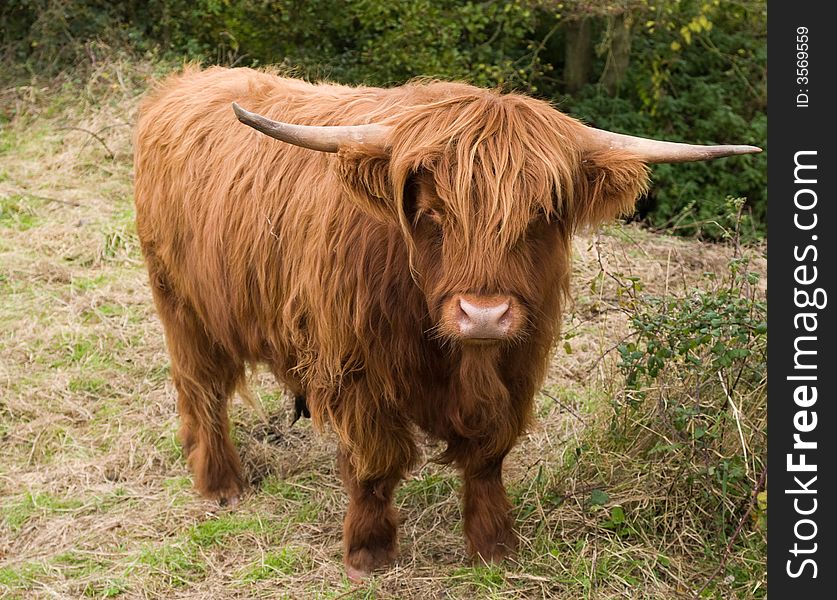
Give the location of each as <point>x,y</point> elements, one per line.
<point>324,139</point>
<point>654,151</point>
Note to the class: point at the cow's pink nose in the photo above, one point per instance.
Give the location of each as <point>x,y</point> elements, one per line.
<point>486,318</point>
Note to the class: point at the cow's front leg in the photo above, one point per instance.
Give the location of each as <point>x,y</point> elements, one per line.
<point>489,527</point>
<point>370,529</point>
<point>376,450</point>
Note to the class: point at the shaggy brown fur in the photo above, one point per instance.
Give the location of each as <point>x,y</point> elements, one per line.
<point>336,270</point>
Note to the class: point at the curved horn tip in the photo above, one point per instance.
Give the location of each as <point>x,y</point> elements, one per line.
<point>240,113</point>
<point>736,150</point>
<point>740,149</point>
<point>702,153</point>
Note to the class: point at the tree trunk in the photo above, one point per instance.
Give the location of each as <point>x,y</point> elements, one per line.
<point>619,53</point>
<point>578,55</point>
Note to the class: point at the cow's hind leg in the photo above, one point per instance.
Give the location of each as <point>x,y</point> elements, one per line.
<point>205,377</point>
<point>203,392</point>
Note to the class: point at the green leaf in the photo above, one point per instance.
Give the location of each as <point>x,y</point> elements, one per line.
<point>599,497</point>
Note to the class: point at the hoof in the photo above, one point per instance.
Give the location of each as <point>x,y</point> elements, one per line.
<point>229,502</point>
<point>496,553</point>
<point>217,475</point>
<point>362,561</point>
<point>228,495</point>
<point>356,575</point>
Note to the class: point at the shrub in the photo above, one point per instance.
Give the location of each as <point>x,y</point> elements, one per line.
<point>688,429</point>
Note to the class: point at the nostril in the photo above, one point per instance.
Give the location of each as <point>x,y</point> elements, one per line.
<point>505,316</point>
<point>464,307</point>
<point>498,313</point>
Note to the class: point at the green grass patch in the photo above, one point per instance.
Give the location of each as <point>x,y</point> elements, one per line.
<point>169,446</point>
<point>75,565</point>
<point>181,561</point>
<point>272,401</point>
<point>284,562</point>
<point>177,564</point>
<point>88,385</point>
<point>8,141</point>
<point>85,284</point>
<point>429,488</point>
<point>213,532</point>
<point>158,373</point>
<point>119,244</point>
<point>180,490</point>
<point>296,498</point>
<point>109,312</point>
<point>78,352</point>
<point>96,352</point>
<point>577,402</point>
<point>22,577</point>
<point>106,588</point>
<point>309,512</point>
<point>125,216</point>
<point>33,505</point>
<point>16,514</point>
<point>273,485</point>
<point>19,212</point>
<point>108,410</point>
<point>178,484</point>
<point>483,579</point>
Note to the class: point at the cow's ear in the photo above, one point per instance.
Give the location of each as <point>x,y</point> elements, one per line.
<point>366,179</point>
<point>610,183</point>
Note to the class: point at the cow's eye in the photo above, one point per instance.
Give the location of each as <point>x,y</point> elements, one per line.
<point>429,225</point>
<point>434,215</point>
<point>429,217</point>
<point>540,215</point>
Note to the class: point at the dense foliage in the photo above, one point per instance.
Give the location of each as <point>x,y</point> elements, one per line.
<point>690,70</point>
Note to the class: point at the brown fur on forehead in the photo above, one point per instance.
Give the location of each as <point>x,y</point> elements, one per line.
<point>496,161</point>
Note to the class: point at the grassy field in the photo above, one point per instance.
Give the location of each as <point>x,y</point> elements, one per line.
<point>95,497</point>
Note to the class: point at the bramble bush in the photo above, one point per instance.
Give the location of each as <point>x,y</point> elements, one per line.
<point>692,415</point>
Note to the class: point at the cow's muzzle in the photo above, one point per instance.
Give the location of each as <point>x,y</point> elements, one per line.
<point>482,318</point>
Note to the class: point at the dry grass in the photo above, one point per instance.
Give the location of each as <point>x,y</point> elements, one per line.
<point>96,498</point>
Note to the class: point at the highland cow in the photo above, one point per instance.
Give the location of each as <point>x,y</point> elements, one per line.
<point>400,260</point>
